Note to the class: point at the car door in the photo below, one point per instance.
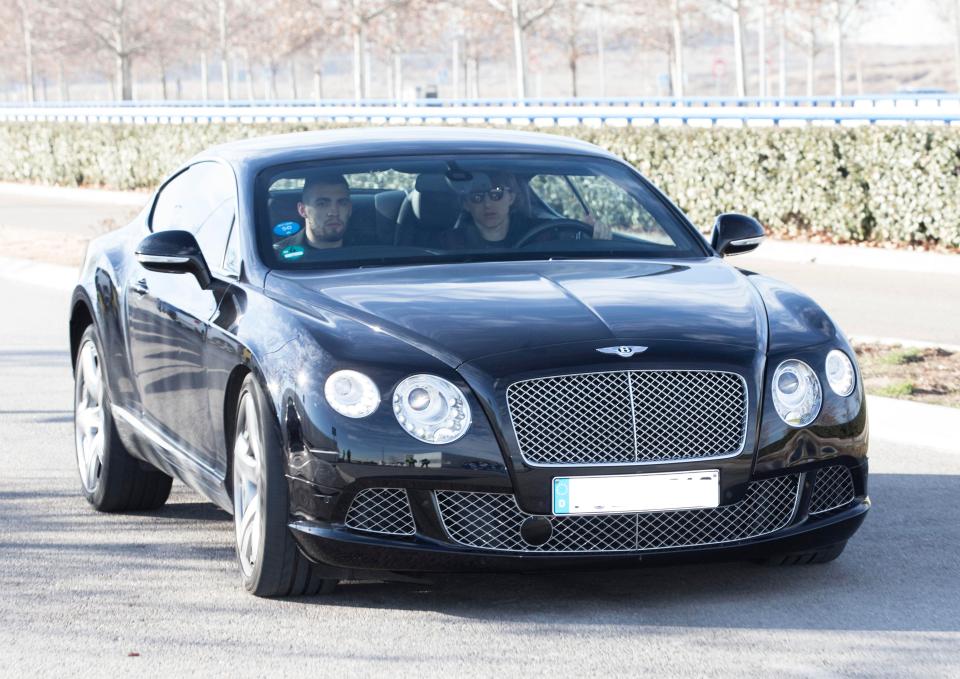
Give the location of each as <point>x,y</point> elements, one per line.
<point>168,313</point>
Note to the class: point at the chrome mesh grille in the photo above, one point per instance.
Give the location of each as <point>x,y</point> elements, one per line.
<point>381,510</point>
<point>493,520</point>
<point>833,488</point>
<point>629,416</point>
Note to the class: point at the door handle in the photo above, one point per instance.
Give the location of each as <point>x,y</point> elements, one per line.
<point>140,287</point>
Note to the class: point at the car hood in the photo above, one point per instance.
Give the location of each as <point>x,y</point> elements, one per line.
<point>462,312</point>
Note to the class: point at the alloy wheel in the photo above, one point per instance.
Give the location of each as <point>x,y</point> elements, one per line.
<point>89,416</point>
<point>247,457</point>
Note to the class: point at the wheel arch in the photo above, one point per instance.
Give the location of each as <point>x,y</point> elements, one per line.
<point>81,317</point>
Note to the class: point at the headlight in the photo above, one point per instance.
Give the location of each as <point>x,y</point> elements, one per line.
<point>351,393</point>
<point>840,374</point>
<point>796,393</point>
<point>431,409</point>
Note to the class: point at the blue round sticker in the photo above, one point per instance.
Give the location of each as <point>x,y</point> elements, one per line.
<point>292,252</point>
<point>284,229</point>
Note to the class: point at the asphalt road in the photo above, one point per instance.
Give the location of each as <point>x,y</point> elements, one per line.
<point>83,217</point>
<point>88,594</point>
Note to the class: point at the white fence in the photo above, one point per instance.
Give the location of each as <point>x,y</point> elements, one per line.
<point>701,111</point>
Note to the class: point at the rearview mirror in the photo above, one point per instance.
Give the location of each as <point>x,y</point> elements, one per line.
<point>174,252</point>
<point>735,234</point>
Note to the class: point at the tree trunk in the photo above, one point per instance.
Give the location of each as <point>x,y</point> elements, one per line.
<point>837,50</point>
<point>455,70</point>
<point>519,50</point>
<point>358,60</point>
<point>476,77</point>
<point>762,51</point>
<point>293,78</point>
<point>274,67</point>
<point>782,52</point>
<point>677,48</point>
<point>398,76</point>
<point>248,65</point>
<point>738,51</point>
<point>224,56</point>
<point>204,77</point>
<point>163,78</point>
<point>572,63</point>
<point>62,81</point>
<point>601,57</point>
<point>367,69</point>
<point>31,86</point>
<point>811,58</point>
<point>126,79</point>
<point>956,41</point>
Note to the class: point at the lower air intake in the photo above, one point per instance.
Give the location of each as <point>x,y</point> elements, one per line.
<point>833,488</point>
<point>381,510</point>
<point>493,521</point>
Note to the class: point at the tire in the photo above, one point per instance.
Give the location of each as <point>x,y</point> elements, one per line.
<point>824,555</point>
<point>270,561</point>
<point>111,479</point>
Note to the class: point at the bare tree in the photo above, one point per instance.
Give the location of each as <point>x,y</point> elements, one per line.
<point>522,17</point>
<point>567,28</point>
<point>121,29</point>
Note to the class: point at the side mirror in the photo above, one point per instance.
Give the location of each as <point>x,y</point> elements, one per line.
<point>735,234</point>
<point>174,252</point>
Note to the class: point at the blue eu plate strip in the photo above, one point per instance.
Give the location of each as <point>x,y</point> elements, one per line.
<point>561,496</point>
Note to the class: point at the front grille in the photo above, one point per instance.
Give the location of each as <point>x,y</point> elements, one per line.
<point>627,417</point>
<point>381,510</point>
<point>833,488</point>
<point>493,520</point>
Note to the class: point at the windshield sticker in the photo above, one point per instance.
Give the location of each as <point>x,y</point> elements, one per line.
<point>284,229</point>
<point>292,252</point>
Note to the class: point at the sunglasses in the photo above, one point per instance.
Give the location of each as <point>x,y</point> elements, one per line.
<point>495,195</point>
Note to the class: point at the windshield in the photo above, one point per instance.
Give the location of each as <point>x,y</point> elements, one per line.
<point>411,210</point>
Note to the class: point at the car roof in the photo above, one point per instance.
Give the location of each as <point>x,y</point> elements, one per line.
<point>258,152</point>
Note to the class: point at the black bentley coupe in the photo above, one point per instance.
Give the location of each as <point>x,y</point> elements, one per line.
<point>404,351</point>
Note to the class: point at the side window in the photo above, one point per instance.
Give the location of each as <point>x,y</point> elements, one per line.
<point>609,203</point>
<point>231,261</point>
<point>199,200</point>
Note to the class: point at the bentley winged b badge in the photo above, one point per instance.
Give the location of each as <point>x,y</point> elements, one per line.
<point>624,351</point>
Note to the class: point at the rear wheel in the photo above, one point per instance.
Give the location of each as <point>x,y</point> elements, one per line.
<point>270,562</point>
<point>824,555</point>
<point>111,479</point>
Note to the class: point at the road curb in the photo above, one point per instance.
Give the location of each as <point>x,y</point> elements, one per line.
<point>50,276</point>
<point>914,424</point>
<point>76,194</point>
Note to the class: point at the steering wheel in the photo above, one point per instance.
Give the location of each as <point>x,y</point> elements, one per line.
<point>562,223</point>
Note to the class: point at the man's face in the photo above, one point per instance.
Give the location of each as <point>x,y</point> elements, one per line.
<point>325,209</point>
<point>490,209</point>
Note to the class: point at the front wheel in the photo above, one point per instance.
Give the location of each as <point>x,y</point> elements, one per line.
<point>270,562</point>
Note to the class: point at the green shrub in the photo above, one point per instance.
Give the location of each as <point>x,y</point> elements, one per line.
<point>869,183</point>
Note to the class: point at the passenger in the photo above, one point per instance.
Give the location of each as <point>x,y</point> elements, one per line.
<point>496,214</point>
<point>326,207</point>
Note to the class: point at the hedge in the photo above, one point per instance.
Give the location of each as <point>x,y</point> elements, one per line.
<point>869,183</point>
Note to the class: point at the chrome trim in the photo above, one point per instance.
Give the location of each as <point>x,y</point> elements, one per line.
<point>756,240</point>
<point>161,259</point>
<point>162,441</point>
<point>641,463</point>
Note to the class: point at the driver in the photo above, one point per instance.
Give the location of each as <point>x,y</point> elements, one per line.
<point>326,207</point>
<point>493,215</point>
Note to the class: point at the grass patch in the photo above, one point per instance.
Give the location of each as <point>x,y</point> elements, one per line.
<point>896,390</point>
<point>902,357</point>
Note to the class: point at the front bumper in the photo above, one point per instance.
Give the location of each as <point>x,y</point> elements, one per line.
<point>434,547</point>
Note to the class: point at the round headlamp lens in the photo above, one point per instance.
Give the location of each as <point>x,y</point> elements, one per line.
<point>351,393</point>
<point>796,393</point>
<point>840,374</point>
<point>431,409</point>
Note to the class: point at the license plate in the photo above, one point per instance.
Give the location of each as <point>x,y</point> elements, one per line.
<point>636,492</point>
